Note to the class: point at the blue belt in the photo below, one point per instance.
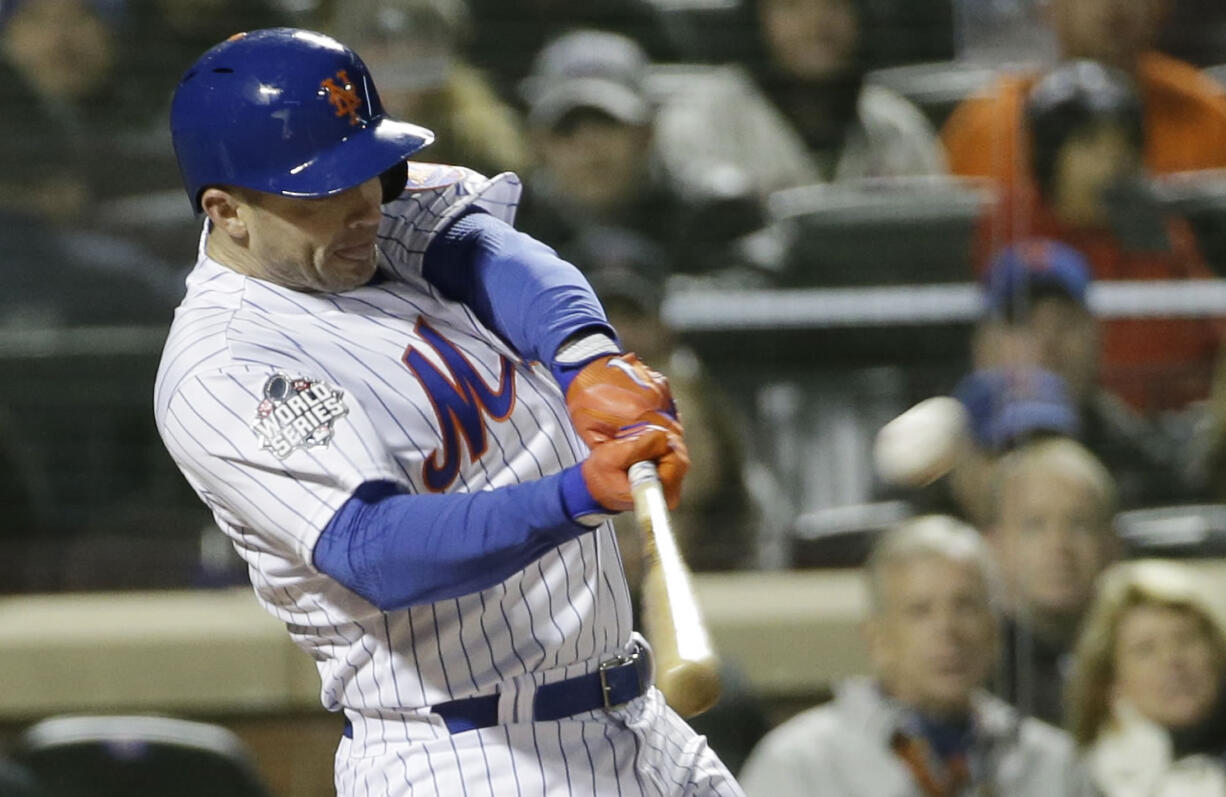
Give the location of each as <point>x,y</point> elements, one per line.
<point>617,681</point>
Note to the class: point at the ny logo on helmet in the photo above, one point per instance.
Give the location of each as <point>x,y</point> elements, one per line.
<point>342,97</point>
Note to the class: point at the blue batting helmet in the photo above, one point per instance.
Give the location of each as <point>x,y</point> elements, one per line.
<point>284,111</point>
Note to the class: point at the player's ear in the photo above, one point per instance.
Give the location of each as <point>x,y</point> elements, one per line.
<point>222,208</point>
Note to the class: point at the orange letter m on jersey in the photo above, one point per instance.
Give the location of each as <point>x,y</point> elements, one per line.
<point>460,399</point>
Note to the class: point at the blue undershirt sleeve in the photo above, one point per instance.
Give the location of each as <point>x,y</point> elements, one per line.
<point>516,285</point>
<point>397,549</point>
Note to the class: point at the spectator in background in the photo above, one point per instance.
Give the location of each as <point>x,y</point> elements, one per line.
<point>1006,409</point>
<point>922,725</point>
<point>592,122</point>
<point>815,63</point>
<point>1146,699</point>
<point>90,76</point>
<point>1184,111</point>
<point>66,111</point>
<point>508,34</point>
<point>1091,190</point>
<point>807,116</point>
<point>40,168</point>
<point>1036,373</point>
<point>60,86</point>
<point>1052,533</point>
<point>1086,133</point>
<point>414,50</point>
<point>1037,315</point>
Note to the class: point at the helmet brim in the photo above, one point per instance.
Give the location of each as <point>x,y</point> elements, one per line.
<point>352,161</point>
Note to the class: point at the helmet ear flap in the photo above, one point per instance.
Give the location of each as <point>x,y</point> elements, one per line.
<point>394,180</point>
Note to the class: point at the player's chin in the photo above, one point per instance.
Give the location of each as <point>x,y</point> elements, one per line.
<point>342,272</point>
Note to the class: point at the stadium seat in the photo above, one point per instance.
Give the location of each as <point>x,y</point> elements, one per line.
<point>882,231</point>
<point>138,756</point>
<point>17,781</point>
<point>1200,197</point>
<point>936,88</point>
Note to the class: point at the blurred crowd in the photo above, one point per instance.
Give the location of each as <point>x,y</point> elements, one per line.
<point>1063,159</point>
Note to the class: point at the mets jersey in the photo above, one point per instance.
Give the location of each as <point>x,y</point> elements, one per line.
<point>277,404</point>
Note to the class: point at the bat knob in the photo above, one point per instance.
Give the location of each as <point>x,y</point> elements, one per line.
<point>691,687</point>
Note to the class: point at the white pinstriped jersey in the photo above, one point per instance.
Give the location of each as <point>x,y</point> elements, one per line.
<point>277,404</point>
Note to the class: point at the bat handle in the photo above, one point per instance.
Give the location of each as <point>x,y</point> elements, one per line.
<point>651,511</point>
<point>643,475</point>
<point>687,670</point>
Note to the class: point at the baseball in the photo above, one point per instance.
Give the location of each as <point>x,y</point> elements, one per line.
<point>923,444</point>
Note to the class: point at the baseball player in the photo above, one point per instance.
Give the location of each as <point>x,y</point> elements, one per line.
<point>413,421</point>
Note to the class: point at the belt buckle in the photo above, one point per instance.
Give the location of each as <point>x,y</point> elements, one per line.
<point>619,660</point>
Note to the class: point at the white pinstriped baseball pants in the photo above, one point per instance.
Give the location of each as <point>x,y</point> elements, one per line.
<point>642,749</point>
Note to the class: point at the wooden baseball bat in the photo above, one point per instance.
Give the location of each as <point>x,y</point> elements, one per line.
<point>687,667</point>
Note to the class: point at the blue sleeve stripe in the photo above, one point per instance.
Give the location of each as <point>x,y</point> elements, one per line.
<point>517,286</point>
<point>398,550</point>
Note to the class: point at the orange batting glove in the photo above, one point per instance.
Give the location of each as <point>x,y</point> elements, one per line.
<point>655,437</point>
<point>612,392</point>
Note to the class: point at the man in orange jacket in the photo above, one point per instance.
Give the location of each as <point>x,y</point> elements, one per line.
<point>1086,186</point>
<point>1185,110</point>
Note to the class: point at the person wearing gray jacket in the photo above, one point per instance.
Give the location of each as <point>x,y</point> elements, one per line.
<point>922,726</point>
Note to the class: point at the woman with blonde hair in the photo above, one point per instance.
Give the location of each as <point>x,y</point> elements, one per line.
<point>1146,698</point>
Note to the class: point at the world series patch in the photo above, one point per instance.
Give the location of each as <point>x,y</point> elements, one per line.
<point>297,413</point>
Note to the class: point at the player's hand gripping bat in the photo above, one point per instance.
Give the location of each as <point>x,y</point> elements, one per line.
<point>687,668</point>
